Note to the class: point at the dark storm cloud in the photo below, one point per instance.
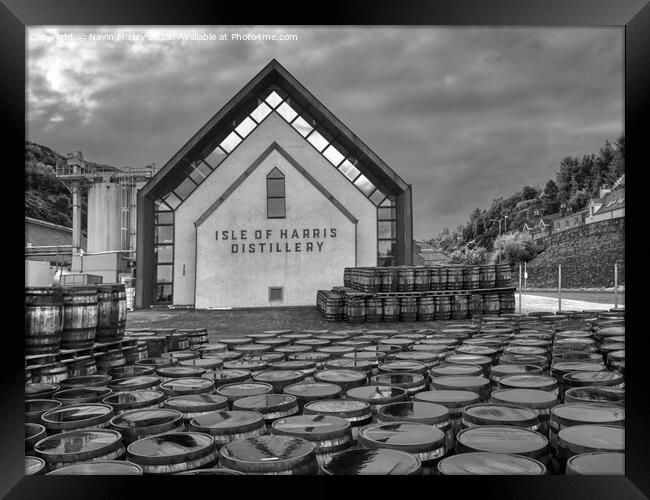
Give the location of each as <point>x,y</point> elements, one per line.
<point>465,115</point>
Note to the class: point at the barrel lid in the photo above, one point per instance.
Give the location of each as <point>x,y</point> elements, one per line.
<point>377,394</point>
<point>399,341</point>
<point>336,349</point>
<point>419,356</point>
<point>448,398</point>
<point>587,413</point>
<point>308,342</point>
<point>366,355</point>
<point>593,378</point>
<point>335,376</point>
<point>186,384</point>
<point>224,356</point>
<point>528,381</point>
<point>414,411</point>
<point>120,399</point>
<point>267,357</point>
<point>381,461</point>
<point>531,342</point>
<point>385,348</point>
<point>470,359</point>
<point>312,427</point>
<point>321,332</point>
<point>157,362</point>
<point>203,363</point>
<point>211,472</point>
<point>530,398</point>
<point>460,381</point>
<point>349,364</point>
<point>41,405</point>
<point>77,413</point>
<point>267,453</point>
<point>82,444</point>
<point>86,381</point>
<point>81,394</point>
<point>245,364</point>
<point>611,331</point>
<point>499,414</point>
<point>145,418</point>
<point>313,390</point>
<point>524,349</point>
<point>345,408</point>
<point>382,333</point>
<point>576,334</point>
<point>279,376</point>
<point>136,381</point>
<point>410,379</point>
<point>34,465</point>
<point>309,356</point>
<point>502,439</point>
<point>266,403</point>
<point>443,343</point>
<point>523,359</point>
<point>34,390</point>
<point>253,348</point>
<point>236,341</point>
<point>228,422</point>
<point>171,447</point>
<point>587,438</point>
<point>505,370</point>
<point>402,365</point>
<point>99,467</point>
<point>412,437</point>
<point>486,463</point>
<point>595,393</point>
<point>131,370</point>
<point>179,371</point>
<point>605,463</point>
<point>295,364</point>
<point>451,370</point>
<point>289,349</point>
<point>33,430</point>
<point>192,330</point>
<point>297,336</point>
<point>223,376</point>
<point>479,350</point>
<point>243,389</point>
<point>189,403</point>
<point>575,366</point>
<point>278,332</point>
<point>212,348</point>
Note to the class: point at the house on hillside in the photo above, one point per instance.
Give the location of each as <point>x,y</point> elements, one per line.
<point>568,219</point>
<point>610,205</point>
<point>539,226</point>
<point>424,254</point>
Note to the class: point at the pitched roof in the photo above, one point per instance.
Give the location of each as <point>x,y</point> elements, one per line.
<point>221,124</point>
<point>613,200</point>
<point>43,233</point>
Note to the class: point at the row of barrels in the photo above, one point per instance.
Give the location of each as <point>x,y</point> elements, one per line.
<point>355,307</point>
<point>468,398</point>
<point>425,278</point>
<point>139,344</point>
<point>73,317</point>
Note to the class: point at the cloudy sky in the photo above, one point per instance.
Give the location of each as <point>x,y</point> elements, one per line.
<point>465,115</point>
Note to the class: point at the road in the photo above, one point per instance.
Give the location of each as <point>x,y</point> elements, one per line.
<point>598,297</point>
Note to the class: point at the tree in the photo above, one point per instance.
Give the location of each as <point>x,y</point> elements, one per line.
<point>514,247</point>
<point>529,193</point>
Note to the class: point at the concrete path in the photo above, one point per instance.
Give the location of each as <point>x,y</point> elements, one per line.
<point>537,303</point>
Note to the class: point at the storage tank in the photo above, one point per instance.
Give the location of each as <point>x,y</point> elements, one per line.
<point>104,217</point>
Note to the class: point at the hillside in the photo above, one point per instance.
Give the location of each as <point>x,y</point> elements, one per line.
<point>47,198</point>
<point>587,254</point>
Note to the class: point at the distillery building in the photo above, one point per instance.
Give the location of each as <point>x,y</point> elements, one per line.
<point>266,204</point>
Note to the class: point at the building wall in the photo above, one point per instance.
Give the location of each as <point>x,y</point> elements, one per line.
<point>240,205</point>
<point>229,275</point>
<point>38,273</point>
<point>612,214</point>
<point>104,217</point>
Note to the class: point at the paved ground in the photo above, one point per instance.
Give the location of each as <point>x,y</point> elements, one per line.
<point>586,296</point>
<point>232,323</point>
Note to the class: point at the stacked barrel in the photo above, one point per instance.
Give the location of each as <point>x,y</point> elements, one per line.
<point>418,293</point>
<point>535,394</point>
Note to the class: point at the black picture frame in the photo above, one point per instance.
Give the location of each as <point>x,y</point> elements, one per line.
<point>631,15</point>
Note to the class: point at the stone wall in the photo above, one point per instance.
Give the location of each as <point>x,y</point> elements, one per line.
<point>587,254</point>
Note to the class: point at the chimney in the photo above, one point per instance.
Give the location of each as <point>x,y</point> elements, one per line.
<point>562,209</point>
<point>603,192</point>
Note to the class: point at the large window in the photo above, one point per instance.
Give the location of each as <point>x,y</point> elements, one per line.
<point>275,195</point>
<point>164,253</point>
<point>386,232</point>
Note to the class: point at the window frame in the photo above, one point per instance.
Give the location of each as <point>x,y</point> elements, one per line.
<point>276,197</point>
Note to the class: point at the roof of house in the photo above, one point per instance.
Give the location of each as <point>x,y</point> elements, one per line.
<point>431,255</point>
<point>42,233</point>
<point>536,220</point>
<point>272,76</point>
<point>613,200</point>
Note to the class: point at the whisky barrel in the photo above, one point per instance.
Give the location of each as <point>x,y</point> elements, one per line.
<point>442,306</point>
<point>345,379</point>
<point>83,365</point>
<point>579,439</point>
<point>181,355</point>
<point>507,302</point>
<point>596,463</point>
<point>459,306</point>
<point>135,353</point>
<point>454,277</point>
<point>79,317</point>
<point>374,309</point>
<point>77,416</point>
<point>408,309</point>
<point>34,466</point>
<point>156,346</point>
<point>471,277</point>
<point>139,424</point>
<point>436,281</point>
<point>226,426</point>
<point>78,395</point>
<point>334,307</point>
<point>592,394</point>
<point>571,414</point>
<point>187,385</point>
<point>377,395</point>
<point>239,390</point>
<point>86,381</point>
<point>176,372</point>
<point>503,276</point>
<point>195,405</point>
<point>34,409</point>
<point>309,392</point>
<point>99,468</point>
<point>110,359</point>
<point>504,439</point>
<point>40,390</point>
<point>538,401</point>
<point>111,311</point>
<point>33,434</point>
<point>43,319</point>
<point>134,400</point>
<point>270,455</point>
<point>377,462</point>
<point>421,279</point>
<point>177,342</point>
<point>426,308</point>
<point>454,400</point>
<point>476,305</point>
<point>271,406</point>
<point>411,382</point>
<point>197,337</point>
<point>487,276</point>
<point>355,307</point>
<point>391,309</point>
<point>156,362</point>
<point>405,278</point>
<point>72,447</point>
<point>500,414</point>
<point>173,452</point>
<point>486,463</point>
<point>491,304</point>
<point>476,384</point>
<point>52,373</point>
<point>229,376</point>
